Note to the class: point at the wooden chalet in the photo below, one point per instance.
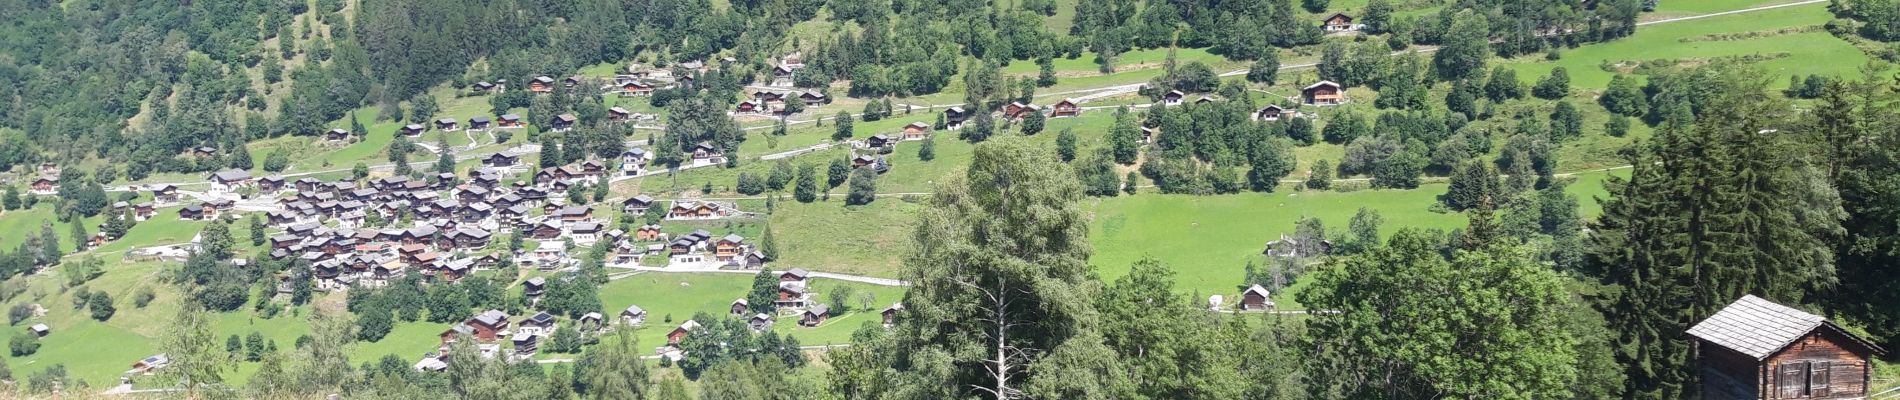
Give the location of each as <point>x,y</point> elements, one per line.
<point>509,121</point>
<point>728,248</point>
<point>1018,110</point>
<point>638,204</point>
<point>617,114</point>
<point>1756,349</point>
<point>270,183</point>
<point>953,117</point>
<point>673,338</point>
<point>562,123</point>
<point>45,184</point>
<point>750,106</point>
<point>479,123</point>
<point>1338,22</point>
<point>636,87</point>
<point>634,315</point>
<point>705,151</point>
<point>446,125</point>
<point>1173,97</point>
<point>814,316</point>
<point>1065,108</point>
<point>814,99</point>
<point>880,141</point>
<point>694,210</point>
<point>916,131</point>
<point>231,178</point>
<point>739,307</point>
<point>1323,93</point>
<point>541,84</point>
<point>337,134</point>
<point>794,275</point>
<point>502,159</point>
<point>1273,112</point>
<point>411,130</point>
<point>648,233</point>
<point>889,315</point>
<point>1256,298</point>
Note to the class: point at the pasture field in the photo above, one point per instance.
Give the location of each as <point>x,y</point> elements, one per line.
<point>680,295</point>
<point>1808,52</point>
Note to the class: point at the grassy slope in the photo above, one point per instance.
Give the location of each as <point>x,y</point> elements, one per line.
<point>682,295</point>
<point>1808,53</point>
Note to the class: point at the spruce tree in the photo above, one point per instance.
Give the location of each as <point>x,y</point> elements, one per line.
<point>1124,139</point>
<point>1472,183</point>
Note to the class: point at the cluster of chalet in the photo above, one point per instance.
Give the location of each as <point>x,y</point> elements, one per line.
<point>885,143</point>
<point>640,80</point>
<point>768,102</point>
<point>787,69</point>
<point>496,334</point>
<point>558,123</point>
<point>793,296</point>
<point>47,182</point>
<point>325,223</point>
<point>633,161</point>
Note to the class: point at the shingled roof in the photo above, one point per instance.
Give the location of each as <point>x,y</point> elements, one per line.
<point>1756,327</point>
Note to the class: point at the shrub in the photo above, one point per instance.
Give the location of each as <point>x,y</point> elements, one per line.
<point>23,344</point>
<point>19,312</point>
<point>143,296</point>
<point>101,307</point>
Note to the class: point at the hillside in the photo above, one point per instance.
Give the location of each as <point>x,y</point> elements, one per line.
<point>1541,170</point>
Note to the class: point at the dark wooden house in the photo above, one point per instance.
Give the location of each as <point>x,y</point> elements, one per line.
<point>1065,108</point>
<point>1338,22</point>
<point>1756,349</point>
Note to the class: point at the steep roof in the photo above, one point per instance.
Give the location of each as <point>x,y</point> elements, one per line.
<point>1758,328</point>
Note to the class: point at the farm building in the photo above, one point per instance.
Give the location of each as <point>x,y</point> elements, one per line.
<point>1756,349</point>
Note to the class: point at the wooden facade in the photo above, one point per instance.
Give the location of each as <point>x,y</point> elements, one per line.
<point>1824,364</point>
<point>1756,349</point>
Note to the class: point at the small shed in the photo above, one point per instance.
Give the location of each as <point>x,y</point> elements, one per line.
<point>1757,349</point>
<point>41,330</point>
<point>1256,298</point>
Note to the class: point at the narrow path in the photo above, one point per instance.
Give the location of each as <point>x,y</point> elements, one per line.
<point>814,274</point>
<point>1718,14</point>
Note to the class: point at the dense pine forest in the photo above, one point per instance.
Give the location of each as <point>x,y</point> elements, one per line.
<point>1558,230</point>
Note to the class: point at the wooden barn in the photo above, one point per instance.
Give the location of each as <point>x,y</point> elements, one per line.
<point>1756,349</point>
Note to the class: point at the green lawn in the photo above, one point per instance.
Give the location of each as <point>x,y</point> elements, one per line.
<point>1662,41</point>
<point>681,295</point>
<point>828,236</point>
<point>1695,7</point>
<point>1208,239</point>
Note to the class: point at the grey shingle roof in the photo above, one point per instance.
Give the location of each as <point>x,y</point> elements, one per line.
<point>1755,326</point>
